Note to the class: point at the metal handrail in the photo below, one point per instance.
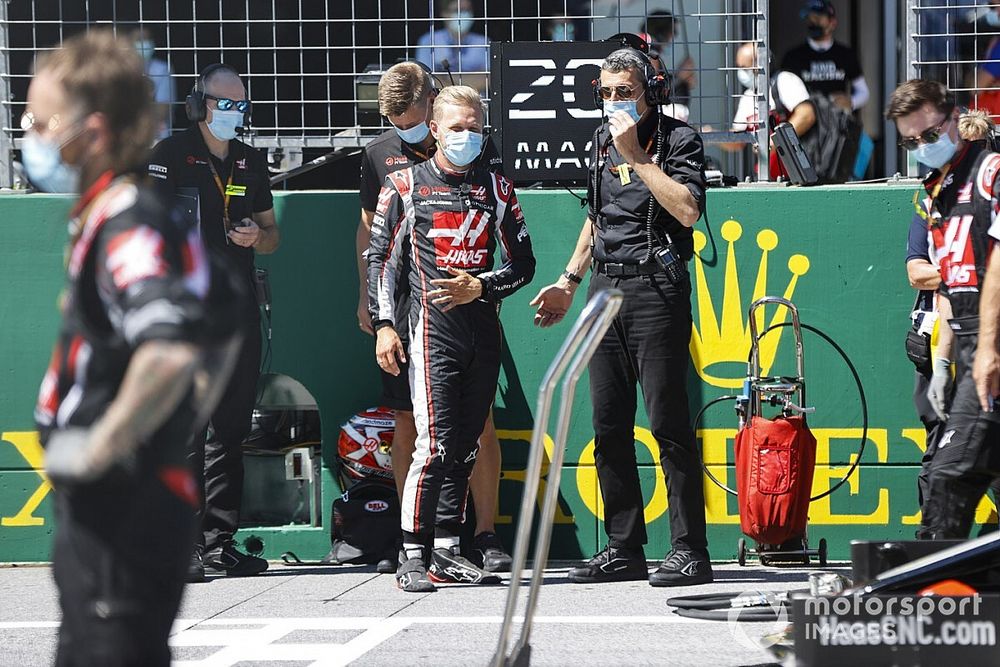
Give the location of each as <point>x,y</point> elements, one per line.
<point>582,341</point>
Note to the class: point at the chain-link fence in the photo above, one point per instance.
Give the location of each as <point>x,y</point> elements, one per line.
<point>311,66</point>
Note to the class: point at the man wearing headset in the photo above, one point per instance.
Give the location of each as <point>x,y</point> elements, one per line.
<point>406,96</point>
<point>646,190</point>
<point>231,182</point>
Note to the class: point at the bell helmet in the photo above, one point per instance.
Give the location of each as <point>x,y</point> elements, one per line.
<point>365,445</point>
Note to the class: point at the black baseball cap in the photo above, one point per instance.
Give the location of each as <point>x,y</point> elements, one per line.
<point>818,7</point>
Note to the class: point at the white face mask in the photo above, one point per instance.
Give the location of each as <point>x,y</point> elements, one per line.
<point>745,77</point>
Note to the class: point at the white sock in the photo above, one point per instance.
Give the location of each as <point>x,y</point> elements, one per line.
<point>413,550</point>
<point>445,542</point>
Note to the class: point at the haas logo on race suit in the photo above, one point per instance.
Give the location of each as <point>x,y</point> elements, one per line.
<point>460,238</point>
<point>955,253</point>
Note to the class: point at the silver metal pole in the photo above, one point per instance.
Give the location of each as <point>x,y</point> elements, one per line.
<point>582,341</point>
<point>6,138</point>
<point>764,90</point>
<point>890,72</point>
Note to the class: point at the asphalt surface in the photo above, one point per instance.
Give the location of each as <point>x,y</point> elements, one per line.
<point>351,615</point>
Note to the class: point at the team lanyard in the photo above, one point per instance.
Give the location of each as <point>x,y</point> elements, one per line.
<point>225,192</point>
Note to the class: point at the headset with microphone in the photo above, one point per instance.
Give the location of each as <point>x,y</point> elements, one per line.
<point>656,83</point>
<point>195,105</point>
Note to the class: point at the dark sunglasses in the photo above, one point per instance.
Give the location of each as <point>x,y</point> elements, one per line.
<point>226,104</point>
<point>623,92</point>
<point>928,136</point>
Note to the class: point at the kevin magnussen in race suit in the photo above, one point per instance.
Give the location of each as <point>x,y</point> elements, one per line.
<point>433,223</point>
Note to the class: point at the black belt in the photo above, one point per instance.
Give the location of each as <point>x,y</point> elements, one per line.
<point>964,326</point>
<point>614,270</point>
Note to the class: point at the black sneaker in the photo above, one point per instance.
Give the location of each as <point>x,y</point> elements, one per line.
<point>196,568</point>
<point>448,566</point>
<point>682,568</point>
<point>233,562</point>
<point>386,566</point>
<point>488,553</point>
<point>412,577</point>
<point>611,564</point>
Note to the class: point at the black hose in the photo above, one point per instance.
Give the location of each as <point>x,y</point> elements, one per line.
<point>861,395</point>
<point>743,614</point>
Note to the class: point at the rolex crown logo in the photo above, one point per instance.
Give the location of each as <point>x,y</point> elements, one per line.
<point>720,346</point>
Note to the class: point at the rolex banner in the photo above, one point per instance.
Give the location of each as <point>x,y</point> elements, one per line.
<point>836,252</point>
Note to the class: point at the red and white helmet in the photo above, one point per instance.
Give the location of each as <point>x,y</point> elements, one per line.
<point>365,444</point>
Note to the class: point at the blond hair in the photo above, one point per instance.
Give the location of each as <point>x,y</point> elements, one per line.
<point>974,125</point>
<point>460,96</point>
<point>402,86</point>
<point>102,73</point>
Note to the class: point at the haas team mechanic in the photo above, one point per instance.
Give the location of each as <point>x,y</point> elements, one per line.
<point>436,228</point>
<point>961,206</point>
<point>117,405</point>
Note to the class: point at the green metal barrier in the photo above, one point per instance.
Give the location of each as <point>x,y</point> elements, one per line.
<point>838,253</point>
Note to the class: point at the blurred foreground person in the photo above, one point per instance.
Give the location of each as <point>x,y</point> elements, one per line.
<point>117,405</point>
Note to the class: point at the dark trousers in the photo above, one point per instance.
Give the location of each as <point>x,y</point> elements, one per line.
<point>120,555</point>
<point>454,365</point>
<point>219,456</point>
<point>648,343</point>
<point>967,458</point>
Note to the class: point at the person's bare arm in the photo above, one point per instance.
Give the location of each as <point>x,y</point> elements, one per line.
<point>674,197</point>
<point>158,377</point>
<point>986,365</point>
<point>554,300</point>
<point>946,336</point>
<point>269,237</point>
<point>802,118</point>
<point>923,275</point>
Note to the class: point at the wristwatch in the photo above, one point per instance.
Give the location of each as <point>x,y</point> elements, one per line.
<point>572,277</point>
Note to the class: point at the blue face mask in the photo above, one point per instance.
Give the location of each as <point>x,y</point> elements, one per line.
<point>628,106</point>
<point>993,19</point>
<point>461,23</point>
<point>146,48</point>
<point>563,32</point>
<point>43,162</point>
<point>415,134</point>
<point>224,123</point>
<point>462,148</point>
<point>936,155</point>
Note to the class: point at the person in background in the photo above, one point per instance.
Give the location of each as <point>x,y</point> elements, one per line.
<point>456,47</point>
<point>231,181</point>
<point>559,29</point>
<point>159,73</point>
<point>659,30</point>
<point>787,99</point>
<point>824,65</point>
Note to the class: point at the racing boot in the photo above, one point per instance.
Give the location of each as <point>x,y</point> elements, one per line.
<point>611,564</point>
<point>232,562</point>
<point>449,566</point>
<point>412,576</point>
<point>488,553</point>
<point>682,568</point>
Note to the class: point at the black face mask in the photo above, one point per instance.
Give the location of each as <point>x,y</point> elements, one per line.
<point>815,32</point>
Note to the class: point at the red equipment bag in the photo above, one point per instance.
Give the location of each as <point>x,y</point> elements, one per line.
<point>774,472</point>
